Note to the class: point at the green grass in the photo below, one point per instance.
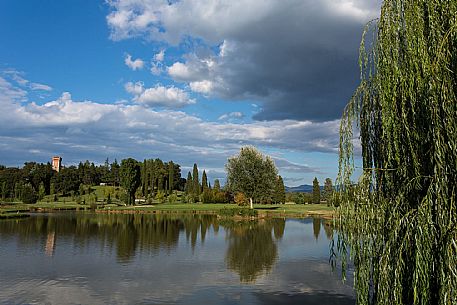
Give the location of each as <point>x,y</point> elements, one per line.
<point>281,210</point>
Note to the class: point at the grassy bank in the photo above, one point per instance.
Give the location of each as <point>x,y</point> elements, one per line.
<point>283,210</point>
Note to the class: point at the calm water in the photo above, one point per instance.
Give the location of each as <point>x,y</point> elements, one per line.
<point>76,258</point>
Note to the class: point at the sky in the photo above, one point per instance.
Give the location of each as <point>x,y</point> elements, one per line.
<point>185,80</point>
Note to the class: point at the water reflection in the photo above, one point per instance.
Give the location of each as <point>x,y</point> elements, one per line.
<point>50,244</point>
<point>166,259</point>
<point>251,250</point>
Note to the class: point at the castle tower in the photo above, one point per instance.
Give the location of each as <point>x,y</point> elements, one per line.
<point>56,163</point>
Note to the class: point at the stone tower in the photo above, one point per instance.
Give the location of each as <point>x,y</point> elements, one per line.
<point>56,163</point>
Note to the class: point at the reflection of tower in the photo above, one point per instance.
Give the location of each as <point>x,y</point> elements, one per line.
<point>56,163</point>
<point>50,244</point>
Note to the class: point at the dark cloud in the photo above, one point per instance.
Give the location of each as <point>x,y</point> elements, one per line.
<point>299,58</point>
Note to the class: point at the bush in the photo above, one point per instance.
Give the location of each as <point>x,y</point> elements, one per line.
<point>160,197</point>
<point>206,196</point>
<point>240,199</point>
<point>29,195</point>
<point>172,198</point>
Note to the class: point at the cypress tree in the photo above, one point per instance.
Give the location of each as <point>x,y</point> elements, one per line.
<point>280,191</point>
<point>171,168</point>
<point>316,191</point>
<point>195,180</point>
<point>217,185</point>
<point>189,184</point>
<point>204,181</point>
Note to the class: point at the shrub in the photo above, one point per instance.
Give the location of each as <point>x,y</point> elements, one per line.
<point>28,194</point>
<point>240,199</point>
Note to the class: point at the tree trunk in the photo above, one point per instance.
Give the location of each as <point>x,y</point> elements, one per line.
<point>250,203</point>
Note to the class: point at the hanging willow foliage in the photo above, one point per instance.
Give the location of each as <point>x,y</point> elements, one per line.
<point>399,222</point>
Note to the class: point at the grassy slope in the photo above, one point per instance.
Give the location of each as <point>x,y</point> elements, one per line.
<point>282,210</point>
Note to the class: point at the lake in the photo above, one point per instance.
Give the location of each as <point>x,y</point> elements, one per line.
<point>86,258</point>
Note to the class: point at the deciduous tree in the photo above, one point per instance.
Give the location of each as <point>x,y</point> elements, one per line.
<point>253,174</point>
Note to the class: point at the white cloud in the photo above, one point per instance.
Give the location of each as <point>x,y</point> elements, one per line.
<point>160,56</point>
<point>170,97</point>
<point>179,71</point>
<point>37,86</point>
<point>134,88</point>
<point>203,86</point>
<point>231,115</point>
<point>136,64</point>
<point>63,111</point>
<point>17,77</point>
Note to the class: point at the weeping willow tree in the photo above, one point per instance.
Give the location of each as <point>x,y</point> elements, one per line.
<point>398,222</point>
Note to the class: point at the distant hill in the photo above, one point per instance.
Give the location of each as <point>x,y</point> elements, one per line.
<point>305,188</point>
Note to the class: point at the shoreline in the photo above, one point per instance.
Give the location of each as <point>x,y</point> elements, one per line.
<point>263,211</point>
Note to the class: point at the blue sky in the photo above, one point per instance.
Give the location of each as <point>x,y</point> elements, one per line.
<point>189,80</point>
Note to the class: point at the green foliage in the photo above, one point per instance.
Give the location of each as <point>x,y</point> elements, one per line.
<point>41,191</point>
<point>189,183</point>
<point>316,192</point>
<point>299,198</point>
<point>280,191</point>
<point>243,212</point>
<point>196,182</point>
<point>252,174</point>
<point>220,196</point>
<point>206,196</point>
<point>204,181</point>
<point>217,185</point>
<point>240,199</point>
<point>173,198</point>
<point>28,194</point>
<point>400,219</point>
<point>130,178</point>
<point>328,190</point>
<point>160,196</point>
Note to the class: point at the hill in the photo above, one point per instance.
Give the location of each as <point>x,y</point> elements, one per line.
<point>305,188</point>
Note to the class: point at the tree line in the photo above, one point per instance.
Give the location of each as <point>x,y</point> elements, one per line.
<point>251,178</point>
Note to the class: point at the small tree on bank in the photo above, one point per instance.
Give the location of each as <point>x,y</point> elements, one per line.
<point>252,174</point>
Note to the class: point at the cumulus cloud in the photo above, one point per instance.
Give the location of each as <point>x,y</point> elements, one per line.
<point>297,58</point>
<point>170,97</point>
<point>203,86</point>
<point>136,64</point>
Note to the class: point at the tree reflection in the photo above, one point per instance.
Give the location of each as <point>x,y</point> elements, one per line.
<point>252,251</point>
<point>316,227</point>
<point>252,245</point>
